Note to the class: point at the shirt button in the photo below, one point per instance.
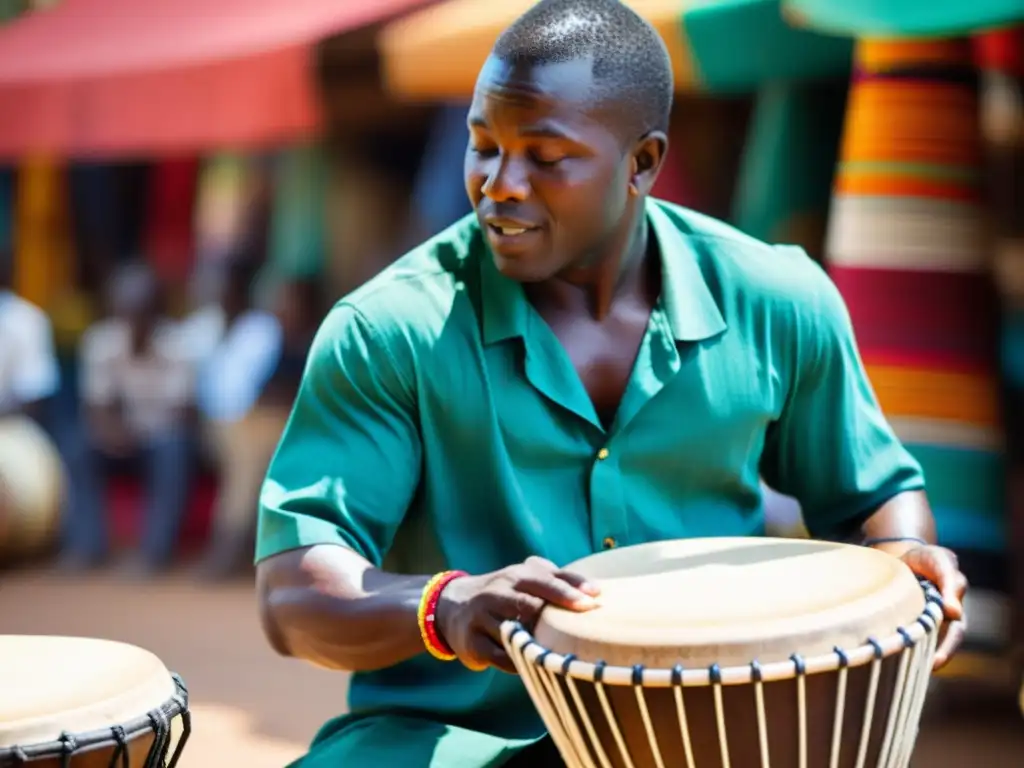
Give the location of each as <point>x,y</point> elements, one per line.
<point>603,454</point>
<point>610,543</point>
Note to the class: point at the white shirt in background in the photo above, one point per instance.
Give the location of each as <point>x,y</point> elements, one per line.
<point>28,361</point>
<point>152,388</point>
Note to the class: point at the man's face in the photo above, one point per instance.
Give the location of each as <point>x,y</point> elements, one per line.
<point>548,175</point>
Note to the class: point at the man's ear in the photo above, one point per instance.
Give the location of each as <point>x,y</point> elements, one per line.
<point>648,158</point>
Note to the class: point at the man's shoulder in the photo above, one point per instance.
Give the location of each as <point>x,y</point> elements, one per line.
<point>746,270</point>
<point>417,294</point>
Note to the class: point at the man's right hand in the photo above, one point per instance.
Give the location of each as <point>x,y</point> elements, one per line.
<point>472,608</point>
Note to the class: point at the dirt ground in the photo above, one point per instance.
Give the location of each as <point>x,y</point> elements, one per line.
<point>251,708</point>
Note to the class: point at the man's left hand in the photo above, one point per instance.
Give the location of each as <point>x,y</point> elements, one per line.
<point>941,567</point>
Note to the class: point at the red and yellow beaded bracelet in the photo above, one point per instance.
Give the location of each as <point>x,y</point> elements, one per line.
<point>427,615</point>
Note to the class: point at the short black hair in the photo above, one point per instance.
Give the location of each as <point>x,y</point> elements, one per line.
<point>631,64</point>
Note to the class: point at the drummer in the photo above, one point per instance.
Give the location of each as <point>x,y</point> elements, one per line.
<point>575,367</point>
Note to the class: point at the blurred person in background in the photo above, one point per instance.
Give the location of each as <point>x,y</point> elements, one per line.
<point>137,387</point>
<point>242,429</point>
<point>31,476</point>
<point>29,373</point>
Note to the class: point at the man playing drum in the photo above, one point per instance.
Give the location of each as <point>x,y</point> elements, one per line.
<point>573,368</point>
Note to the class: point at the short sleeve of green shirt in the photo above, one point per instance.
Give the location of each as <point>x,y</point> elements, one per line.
<point>832,447</point>
<point>348,463</point>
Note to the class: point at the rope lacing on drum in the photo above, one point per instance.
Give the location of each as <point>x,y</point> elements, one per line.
<point>64,748</point>
<point>757,677</point>
<point>68,746</point>
<point>908,641</point>
<point>638,675</point>
<point>161,739</point>
<point>567,663</point>
<point>121,752</point>
<point>800,667</point>
<point>181,699</point>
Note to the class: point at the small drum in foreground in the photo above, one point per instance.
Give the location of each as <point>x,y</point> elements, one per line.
<point>88,703</point>
<point>735,653</point>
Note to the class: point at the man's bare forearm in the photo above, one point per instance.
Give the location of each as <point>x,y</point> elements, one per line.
<point>331,607</point>
<point>905,516</point>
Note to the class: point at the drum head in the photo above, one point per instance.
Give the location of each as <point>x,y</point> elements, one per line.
<point>78,685</point>
<point>731,601</point>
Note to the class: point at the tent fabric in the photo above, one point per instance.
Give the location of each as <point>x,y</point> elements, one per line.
<point>725,46</point>
<point>437,52</point>
<point>911,18</point>
<point>121,77</point>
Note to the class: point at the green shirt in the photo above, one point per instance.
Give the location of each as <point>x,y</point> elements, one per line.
<point>440,424</point>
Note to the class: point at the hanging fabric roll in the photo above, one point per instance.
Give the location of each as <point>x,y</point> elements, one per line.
<point>297,222</point>
<point>43,264</point>
<point>908,249</point>
<point>225,190</point>
<point>171,200</point>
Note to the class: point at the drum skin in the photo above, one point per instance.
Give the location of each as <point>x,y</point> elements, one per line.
<point>729,602</point>
<point>31,488</point>
<point>79,686</point>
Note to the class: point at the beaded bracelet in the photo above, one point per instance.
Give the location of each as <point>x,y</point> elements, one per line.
<point>427,615</point>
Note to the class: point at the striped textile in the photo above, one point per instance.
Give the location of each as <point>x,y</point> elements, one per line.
<point>1000,58</point>
<point>907,248</point>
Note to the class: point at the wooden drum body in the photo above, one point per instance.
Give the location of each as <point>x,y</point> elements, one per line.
<point>88,703</point>
<point>735,653</point>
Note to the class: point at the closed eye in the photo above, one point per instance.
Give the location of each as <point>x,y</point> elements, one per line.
<point>547,162</point>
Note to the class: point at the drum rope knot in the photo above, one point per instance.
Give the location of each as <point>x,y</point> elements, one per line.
<point>121,753</point>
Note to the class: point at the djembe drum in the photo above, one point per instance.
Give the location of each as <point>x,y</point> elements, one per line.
<point>31,489</point>
<point>88,703</point>
<point>735,653</point>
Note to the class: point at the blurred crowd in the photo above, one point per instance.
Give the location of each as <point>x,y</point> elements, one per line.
<point>164,397</point>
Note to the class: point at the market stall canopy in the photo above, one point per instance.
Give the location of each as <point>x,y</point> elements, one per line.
<point>114,77</point>
<point>906,18</point>
<point>716,45</point>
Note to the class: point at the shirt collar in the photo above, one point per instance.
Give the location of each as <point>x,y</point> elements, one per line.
<point>691,309</point>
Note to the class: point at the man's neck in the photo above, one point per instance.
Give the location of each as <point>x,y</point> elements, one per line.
<point>623,272</point>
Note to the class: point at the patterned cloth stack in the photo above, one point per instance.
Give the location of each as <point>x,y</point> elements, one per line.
<point>907,247</point>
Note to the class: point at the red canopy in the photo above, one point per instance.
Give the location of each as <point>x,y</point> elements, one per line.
<point>124,76</point>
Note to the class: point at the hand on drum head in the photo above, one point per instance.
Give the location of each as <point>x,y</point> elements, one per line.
<point>471,609</point>
<point>941,567</point>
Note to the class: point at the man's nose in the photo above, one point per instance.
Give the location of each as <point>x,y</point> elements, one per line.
<point>506,181</point>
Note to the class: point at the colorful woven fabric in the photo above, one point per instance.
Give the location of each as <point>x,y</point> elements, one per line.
<point>1000,57</point>
<point>907,246</point>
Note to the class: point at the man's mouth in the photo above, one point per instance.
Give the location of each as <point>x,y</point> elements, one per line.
<point>507,231</point>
